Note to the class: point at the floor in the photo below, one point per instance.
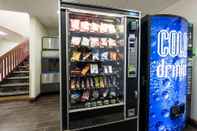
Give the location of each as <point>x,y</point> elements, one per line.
<point>42,115</point>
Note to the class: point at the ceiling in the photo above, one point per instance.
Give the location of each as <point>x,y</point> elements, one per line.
<point>10,35</point>
<point>46,10</point>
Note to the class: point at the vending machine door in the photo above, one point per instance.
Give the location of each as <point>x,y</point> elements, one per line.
<point>167,73</point>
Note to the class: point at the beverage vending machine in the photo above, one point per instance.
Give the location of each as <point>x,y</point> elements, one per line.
<point>163,73</point>
<point>99,67</point>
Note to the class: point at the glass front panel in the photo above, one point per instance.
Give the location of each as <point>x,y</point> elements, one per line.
<point>96,63</point>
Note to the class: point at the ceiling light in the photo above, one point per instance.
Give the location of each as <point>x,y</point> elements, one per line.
<point>3,33</point>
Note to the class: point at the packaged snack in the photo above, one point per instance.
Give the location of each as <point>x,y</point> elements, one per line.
<point>85,70</point>
<point>92,82</point>
<point>106,102</point>
<point>94,42</point>
<point>99,103</point>
<point>86,56</point>
<point>95,94</point>
<point>74,24</point>
<point>75,97</point>
<point>97,83</point>
<point>120,28</point>
<point>113,56</point>
<point>94,69</point>
<point>102,83</point>
<point>85,41</point>
<point>75,41</point>
<point>84,26</point>
<point>72,86</point>
<point>103,42</point>
<point>88,84</point>
<point>112,42</point>
<point>112,94</point>
<point>110,69</point>
<point>75,71</point>
<point>105,93</point>
<point>77,84</point>
<point>105,69</point>
<point>76,56</point>
<point>105,82</point>
<point>85,96</point>
<point>94,27</point>
<point>93,104</point>
<point>87,104</point>
<point>104,55</point>
<point>113,101</point>
<point>103,28</point>
<point>111,28</point>
<point>95,56</point>
<point>83,84</point>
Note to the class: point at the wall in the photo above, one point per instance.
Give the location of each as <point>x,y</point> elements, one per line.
<point>37,31</point>
<point>6,45</point>
<point>188,9</point>
<point>15,21</point>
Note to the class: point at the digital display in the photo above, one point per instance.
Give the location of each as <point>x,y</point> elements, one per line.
<point>168,72</point>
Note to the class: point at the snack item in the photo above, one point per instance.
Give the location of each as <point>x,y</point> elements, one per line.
<point>103,28</point>
<point>72,84</point>
<point>111,28</point>
<point>103,42</point>
<point>76,71</point>
<point>99,103</point>
<point>113,101</point>
<point>105,93</point>
<point>112,42</point>
<point>75,41</point>
<point>106,102</point>
<point>85,70</point>
<point>87,104</point>
<point>94,42</point>
<point>86,56</point>
<point>105,69</point>
<point>95,56</point>
<point>93,104</point>
<point>95,94</point>
<point>83,84</point>
<point>76,56</point>
<point>104,55</point>
<point>120,28</point>
<point>75,97</point>
<point>74,24</point>
<point>105,82</point>
<point>94,27</point>
<point>94,69</point>
<point>77,84</point>
<point>110,69</point>
<point>97,83</point>
<point>84,26</point>
<point>113,56</point>
<point>102,83</point>
<point>88,83</point>
<point>85,96</point>
<point>85,41</point>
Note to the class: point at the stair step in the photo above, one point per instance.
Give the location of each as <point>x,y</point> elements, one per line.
<point>14,93</point>
<point>22,66</point>
<point>18,78</point>
<point>14,85</point>
<point>19,72</point>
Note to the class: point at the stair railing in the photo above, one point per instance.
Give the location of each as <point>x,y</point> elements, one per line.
<point>10,60</point>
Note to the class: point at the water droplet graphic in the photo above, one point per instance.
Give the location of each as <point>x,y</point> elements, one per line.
<point>165,95</point>
<point>165,113</point>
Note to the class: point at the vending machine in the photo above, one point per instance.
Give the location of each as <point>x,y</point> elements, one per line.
<point>163,73</point>
<point>99,67</point>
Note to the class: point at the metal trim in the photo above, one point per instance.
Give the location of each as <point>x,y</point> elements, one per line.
<point>125,63</point>
<point>139,67</point>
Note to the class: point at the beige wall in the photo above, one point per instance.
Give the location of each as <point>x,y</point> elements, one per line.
<point>37,32</point>
<point>188,9</point>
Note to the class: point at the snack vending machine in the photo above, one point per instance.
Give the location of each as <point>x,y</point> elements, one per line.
<point>164,73</point>
<point>99,67</point>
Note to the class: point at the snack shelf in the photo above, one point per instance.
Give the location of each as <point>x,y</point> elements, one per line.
<point>96,34</point>
<point>96,107</point>
<point>93,75</point>
<point>92,88</point>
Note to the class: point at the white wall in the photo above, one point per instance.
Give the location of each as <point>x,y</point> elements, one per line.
<point>37,31</point>
<point>15,21</point>
<point>6,45</point>
<point>188,9</point>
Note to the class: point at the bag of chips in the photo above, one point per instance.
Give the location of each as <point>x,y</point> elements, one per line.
<point>76,56</point>
<point>94,42</point>
<point>84,26</point>
<point>85,41</point>
<point>94,27</point>
<point>74,24</point>
<point>75,41</point>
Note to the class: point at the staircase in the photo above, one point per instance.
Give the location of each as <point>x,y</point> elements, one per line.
<point>17,82</point>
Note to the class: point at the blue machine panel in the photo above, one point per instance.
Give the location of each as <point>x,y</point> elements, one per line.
<point>168,73</point>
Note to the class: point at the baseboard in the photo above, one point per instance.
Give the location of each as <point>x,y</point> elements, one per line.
<point>15,98</point>
<point>193,122</point>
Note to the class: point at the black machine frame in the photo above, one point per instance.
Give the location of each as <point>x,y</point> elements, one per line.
<point>127,122</point>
